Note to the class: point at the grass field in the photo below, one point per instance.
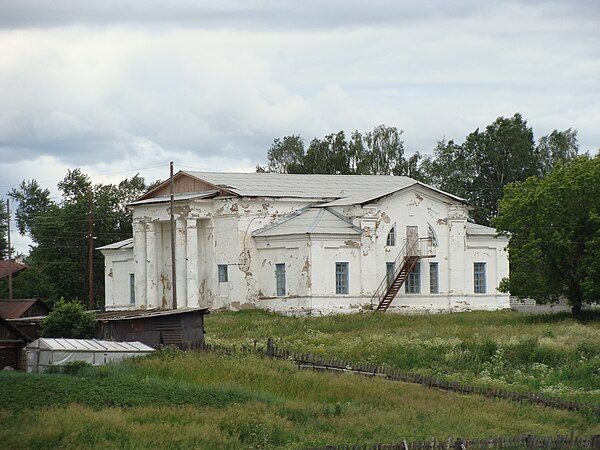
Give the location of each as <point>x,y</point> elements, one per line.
<point>550,354</point>
<point>206,400</point>
<point>243,401</point>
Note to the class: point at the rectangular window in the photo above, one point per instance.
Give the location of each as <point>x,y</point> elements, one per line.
<point>223,275</point>
<point>479,277</point>
<point>280,279</point>
<point>132,289</point>
<point>390,272</point>
<point>434,287</point>
<point>341,277</point>
<point>413,282</point>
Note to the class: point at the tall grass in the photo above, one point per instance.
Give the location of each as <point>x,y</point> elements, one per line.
<point>269,404</point>
<point>554,354</point>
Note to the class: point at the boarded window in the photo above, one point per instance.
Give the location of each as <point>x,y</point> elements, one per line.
<point>413,282</point>
<point>479,277</point>
<point>434,287</point>
<point>391,238</point>
<point>223,275</point>
<point>341,277</point>
<point>280,279</point>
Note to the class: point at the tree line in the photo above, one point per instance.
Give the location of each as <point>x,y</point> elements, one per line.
<point>58,230</point>
<point>476,169</point>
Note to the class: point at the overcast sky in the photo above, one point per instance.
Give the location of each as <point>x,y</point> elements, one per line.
<point>119,87</point>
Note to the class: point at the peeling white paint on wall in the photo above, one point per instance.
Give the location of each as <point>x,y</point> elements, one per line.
<point>251,234</point>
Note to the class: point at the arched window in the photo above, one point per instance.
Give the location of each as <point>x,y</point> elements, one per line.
<point>391,237</point>
<point>431,234</point>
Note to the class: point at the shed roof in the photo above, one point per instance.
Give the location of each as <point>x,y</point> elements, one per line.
<point>14,309</point>
<point>310,221</point>
<point>7,267</point>
<point>89,345</point>
<point>107,316</point>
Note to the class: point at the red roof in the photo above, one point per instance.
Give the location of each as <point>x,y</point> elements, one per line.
<point>14,309</point>
<point>10,266</point>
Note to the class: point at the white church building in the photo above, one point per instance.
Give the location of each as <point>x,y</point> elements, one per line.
<point>305,244</point>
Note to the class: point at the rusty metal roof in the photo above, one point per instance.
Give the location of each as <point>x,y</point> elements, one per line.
<point>10,266</point>
<point>14,309</point>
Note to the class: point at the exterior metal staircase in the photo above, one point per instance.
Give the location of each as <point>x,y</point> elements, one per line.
<point>404,264</point>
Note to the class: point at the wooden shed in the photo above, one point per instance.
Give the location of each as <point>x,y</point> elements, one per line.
<point>181,327</point>
<point>12,342</point>
<point>25,314</point>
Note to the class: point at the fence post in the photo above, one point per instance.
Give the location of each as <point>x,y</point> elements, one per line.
<point>270,347</point>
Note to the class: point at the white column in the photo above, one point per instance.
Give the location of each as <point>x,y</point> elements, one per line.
<point>180,258</point>
<point>193,285</point>
<point>457,270</point>
<point>139,258</point>
<point>151,265</point>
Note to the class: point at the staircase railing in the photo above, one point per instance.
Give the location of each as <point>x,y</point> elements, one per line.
<point>411,247</point>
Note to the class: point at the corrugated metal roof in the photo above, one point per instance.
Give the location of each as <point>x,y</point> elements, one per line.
<point>310,221</point>
<point>13,309</point>
<point>10,266</point>
<point>124,244</point>
<point>88,345</point>
<point>176,197</point>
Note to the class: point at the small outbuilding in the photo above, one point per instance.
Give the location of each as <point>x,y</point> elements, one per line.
<point>12,342</point>
<point>45,352</point>
<point>17,309</point>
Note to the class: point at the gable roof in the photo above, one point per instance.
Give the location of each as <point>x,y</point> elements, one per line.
<point>356,189</point>
<point>15,309</point>
<point>7,267</point>
<point>322,221</point>
<point>12,333</point>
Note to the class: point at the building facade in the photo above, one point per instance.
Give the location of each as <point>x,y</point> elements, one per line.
<point>317,244</point>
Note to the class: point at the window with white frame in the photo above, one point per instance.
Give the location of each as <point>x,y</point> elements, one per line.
<point>391,237</point>
<point>341,277</point>
<point>434,287</point>
<point>280,279</point>
<point>223,275</point>
<point>132,288</point>
<point>479,277</point>
<point>413,281</point>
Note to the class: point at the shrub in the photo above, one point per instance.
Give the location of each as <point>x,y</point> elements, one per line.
<point>69,320</point>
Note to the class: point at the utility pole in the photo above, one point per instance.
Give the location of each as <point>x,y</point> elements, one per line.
<point>90,250</point>
<point>173,262</point>
<point>10,286</point>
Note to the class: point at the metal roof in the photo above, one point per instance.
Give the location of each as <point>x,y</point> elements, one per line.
<point>124,244</point>
<point>474,229</point>
<point>176,197</point>
<point>89,345</point>
<point>14,309</point>
<point>7,267</point>
<point>107,316</point>
<point>310,221</point>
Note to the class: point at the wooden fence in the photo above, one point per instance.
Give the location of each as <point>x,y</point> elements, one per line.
<point>309,361</point>
<point>514,442</point>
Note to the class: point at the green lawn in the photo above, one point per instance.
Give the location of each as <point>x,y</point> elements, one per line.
<point>553,355</point>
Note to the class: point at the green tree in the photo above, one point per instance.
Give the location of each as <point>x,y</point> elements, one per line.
<point>69,319</point>
<point>286,155</point>
<point>59,230</point>
<point>554,225</point>
<point>558,147</point>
